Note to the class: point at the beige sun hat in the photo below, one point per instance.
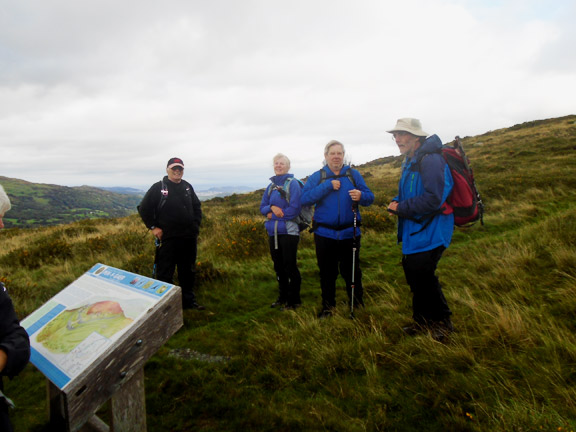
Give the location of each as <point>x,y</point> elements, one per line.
<point>410,125</point>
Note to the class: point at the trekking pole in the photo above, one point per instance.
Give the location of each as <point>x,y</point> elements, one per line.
<point>354,210</point>
<point>460,148</point>
<point>158,244</point>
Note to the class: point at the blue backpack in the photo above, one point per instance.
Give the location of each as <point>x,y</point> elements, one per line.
<point>304,218</point>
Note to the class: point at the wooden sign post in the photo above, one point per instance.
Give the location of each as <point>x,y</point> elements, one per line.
<point>115,369</point>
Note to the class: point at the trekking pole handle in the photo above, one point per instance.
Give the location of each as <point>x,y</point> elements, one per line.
<point>355,211</point>
<point>460,148</point>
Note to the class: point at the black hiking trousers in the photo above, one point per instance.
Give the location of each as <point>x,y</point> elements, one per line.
<point>178,253</point>
<point>335,257</point>
<point>428,302</point>
<point>5,425</point>
<point>286,268</point>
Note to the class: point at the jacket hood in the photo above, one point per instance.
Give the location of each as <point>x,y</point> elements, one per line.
<point>432,145</point>
<point>279,180</point>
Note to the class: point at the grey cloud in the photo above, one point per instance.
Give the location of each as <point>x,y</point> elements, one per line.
<point>226,84</point>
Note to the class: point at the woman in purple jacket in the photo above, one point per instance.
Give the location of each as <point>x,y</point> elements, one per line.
<point>281,205</point>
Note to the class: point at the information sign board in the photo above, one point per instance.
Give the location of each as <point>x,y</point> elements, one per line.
<point>83,321</point>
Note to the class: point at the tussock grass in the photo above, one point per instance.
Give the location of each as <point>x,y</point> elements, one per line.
<point>511,285</point>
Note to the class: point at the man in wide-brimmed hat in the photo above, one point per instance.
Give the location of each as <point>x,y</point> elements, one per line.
<point>425,225</point>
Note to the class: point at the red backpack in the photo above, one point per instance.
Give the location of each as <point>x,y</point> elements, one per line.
<point>464,200</point>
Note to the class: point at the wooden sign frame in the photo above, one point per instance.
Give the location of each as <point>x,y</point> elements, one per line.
<point>117,375</point>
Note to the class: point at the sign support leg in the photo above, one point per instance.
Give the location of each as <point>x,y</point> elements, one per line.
<point>128,406</point>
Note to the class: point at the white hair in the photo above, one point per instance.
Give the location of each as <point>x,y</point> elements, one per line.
<point>331,144</point>
<point>281,156</point>
<point>4,202</point>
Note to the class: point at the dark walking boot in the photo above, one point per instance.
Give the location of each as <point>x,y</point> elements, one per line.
<point>278,303</point>
<point>440,330</point>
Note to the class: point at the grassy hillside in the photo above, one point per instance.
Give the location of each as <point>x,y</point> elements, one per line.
<point>37,204</point>
<point>240,365</point>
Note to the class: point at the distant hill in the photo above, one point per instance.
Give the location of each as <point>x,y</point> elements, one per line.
<point>222,191</point>
<point>124,190</point>
<point>203,195</point>
<point>38,204</point>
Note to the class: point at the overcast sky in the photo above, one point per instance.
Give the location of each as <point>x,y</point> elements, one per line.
<point>104,92</point>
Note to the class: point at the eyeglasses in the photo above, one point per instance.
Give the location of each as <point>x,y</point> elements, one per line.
<point>398,134</point>
<point>177,168</point>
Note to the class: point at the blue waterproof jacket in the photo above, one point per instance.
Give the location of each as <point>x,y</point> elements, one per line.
<point>333,208</point>
<point>272,196</point>
<point>423,189</point>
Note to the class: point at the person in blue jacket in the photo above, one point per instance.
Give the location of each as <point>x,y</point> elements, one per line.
<point>335,191</point>
<point>281,205</point>
<point>425,224</point>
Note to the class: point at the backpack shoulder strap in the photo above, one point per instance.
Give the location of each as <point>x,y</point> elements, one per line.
<point>351,176</point>
<point>163,195</point>
<point>189,192</point>
<point>324,176</point>
<point>189,188</point>
<point>287,187</point>
<point>269,189</point>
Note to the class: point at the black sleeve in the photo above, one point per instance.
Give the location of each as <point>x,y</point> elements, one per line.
<point>14,340</point>
<point>196,207</point>
<point>149,204</point>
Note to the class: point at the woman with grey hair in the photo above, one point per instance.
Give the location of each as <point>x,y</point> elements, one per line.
<point>14,341</point>
<point>281,205</point>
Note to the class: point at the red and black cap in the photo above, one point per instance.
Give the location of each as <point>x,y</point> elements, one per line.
<point>175,162</point>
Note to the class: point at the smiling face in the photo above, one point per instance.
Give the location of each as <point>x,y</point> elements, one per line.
<point>175,174</point>
<point>335,158</point>
<point>281,166</point>
<point>407,143</point>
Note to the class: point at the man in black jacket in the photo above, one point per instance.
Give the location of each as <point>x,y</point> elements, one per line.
<point>14,341</point>
<point>172,211</point>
